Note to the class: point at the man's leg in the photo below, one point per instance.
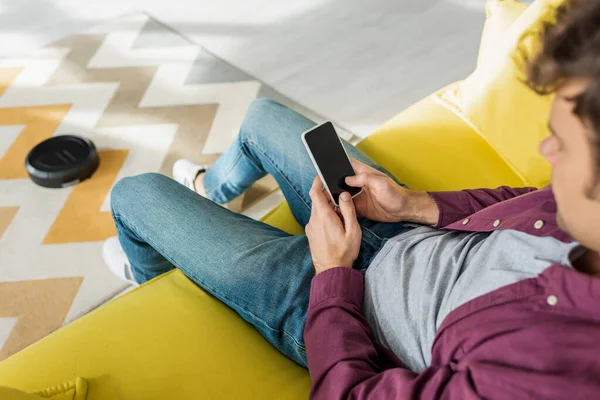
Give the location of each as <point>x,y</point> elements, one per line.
<point>270,141</point>
<point>259,271</point>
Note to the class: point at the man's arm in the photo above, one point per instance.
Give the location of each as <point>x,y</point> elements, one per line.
<point>343,361</point>
<point>444,208</point>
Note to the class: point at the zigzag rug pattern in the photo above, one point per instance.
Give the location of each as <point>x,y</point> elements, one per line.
<point>146,97</point>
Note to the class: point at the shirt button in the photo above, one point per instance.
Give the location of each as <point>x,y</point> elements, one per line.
<point>466,221</point>
<point>496,223</point>
<point>552,300</point>
<point>538,224</point>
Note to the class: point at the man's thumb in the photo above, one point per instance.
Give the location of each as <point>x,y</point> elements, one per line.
<point>358,180</point>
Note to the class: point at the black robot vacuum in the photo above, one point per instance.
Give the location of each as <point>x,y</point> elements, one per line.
<point>62,161</point>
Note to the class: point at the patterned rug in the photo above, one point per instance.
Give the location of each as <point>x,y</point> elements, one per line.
<point>146,97</point>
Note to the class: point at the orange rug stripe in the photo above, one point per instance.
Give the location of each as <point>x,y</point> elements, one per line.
<point>80,219</point>
<point>40,123</point>
<point>7,77</point>
<point>40,305</point>
<point>6,216</point>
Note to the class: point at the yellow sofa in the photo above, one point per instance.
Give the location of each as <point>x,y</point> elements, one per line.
<point>169,339</point>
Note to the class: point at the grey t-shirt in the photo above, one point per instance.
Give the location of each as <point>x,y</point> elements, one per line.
<point>420,276</point>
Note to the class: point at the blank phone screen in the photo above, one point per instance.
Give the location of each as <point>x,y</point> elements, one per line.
<point>329,155</point>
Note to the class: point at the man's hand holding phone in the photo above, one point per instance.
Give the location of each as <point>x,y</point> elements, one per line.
<point>334,240</point>
<point>334,237</point>
<point>382,199</point>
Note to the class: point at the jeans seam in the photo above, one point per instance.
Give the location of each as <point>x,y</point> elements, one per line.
<point>235,161</point>
<point>129,225</point>
<point>373,233</point>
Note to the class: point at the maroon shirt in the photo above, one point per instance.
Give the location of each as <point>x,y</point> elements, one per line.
<point>538,338</point>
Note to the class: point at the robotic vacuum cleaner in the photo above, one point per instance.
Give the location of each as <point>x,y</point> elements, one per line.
<point>62,161</point>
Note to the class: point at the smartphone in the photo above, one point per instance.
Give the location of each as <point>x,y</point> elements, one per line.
<point>330,159</point>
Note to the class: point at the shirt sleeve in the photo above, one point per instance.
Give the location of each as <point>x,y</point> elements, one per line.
<point>345,363</point>
<point>456,205</point>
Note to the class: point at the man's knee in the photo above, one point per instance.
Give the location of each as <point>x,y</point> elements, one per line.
<point>128,191</point>
<point>262,118</point>
<point>263,105</point>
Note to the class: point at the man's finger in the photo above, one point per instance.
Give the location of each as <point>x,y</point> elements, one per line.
<point>349,213</point>
<point>329,200</point>
<point>316,194</point>
<point>316,186</point>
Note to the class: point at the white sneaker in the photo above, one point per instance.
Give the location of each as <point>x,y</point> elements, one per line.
<point>185,172</point>
<point>116,260</point>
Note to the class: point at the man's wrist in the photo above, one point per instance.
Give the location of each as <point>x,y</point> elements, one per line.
<point>420,208</point>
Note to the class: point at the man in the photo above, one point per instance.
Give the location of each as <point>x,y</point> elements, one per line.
<point>495,295</point>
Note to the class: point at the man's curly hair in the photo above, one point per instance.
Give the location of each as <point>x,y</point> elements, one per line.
<point>571,49</point>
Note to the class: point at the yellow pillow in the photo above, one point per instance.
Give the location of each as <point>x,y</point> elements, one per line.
<point>72,390</point>
<point>496,103</point>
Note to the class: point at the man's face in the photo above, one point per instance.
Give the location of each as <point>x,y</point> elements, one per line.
<point>569,151</point>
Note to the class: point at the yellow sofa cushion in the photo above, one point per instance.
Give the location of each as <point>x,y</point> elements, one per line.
<point>7,393</point>
<point>496,102</point>
<point>73,390</point>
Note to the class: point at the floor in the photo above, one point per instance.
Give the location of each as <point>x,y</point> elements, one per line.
<point>355,62</point>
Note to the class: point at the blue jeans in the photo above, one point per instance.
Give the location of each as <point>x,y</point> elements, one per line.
<point>261,272</point>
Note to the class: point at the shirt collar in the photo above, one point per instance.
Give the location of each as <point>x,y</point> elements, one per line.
<point>572,288</point>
